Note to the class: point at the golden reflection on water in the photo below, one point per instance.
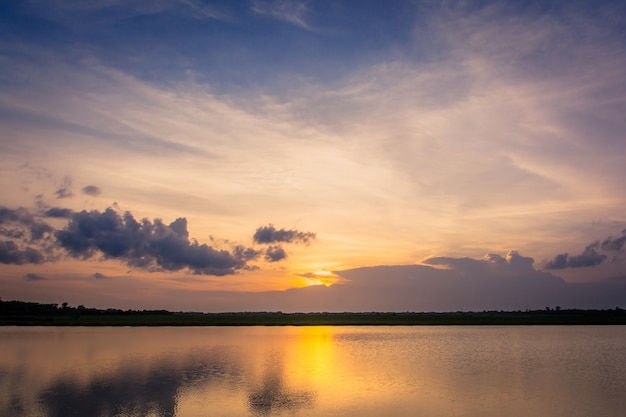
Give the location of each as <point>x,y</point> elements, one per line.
<point>312,371</point>
<point>310,358</point>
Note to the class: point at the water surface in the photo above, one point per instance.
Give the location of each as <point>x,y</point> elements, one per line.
<point>313,371</point>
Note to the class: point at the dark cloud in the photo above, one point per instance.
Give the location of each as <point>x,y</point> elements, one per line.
<point>559,262</point>
<point>151,245</point>
<point>614,244</point>
<point>269,234</point>
<point>146,244</point>
<point>7,215</point>
<point>98,275</point>
<point>493,283</point>
<point>91,190</point>
<point>59,213</point>
<point>34,277</point>
<point>38,229</point>
<point>10,253</point>
<point>592,255</point>
<point>275,254</point>
<point>443,284</point>
<point>247,254</point>
<point>22,220</point>
<point>65,190</point>
<point>513,263</point>
<point>589,257</point>
<point>12,233</point>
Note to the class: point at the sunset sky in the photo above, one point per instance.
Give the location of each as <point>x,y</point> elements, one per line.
<point>234,155</point>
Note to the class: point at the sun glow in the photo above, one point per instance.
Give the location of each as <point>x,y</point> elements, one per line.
<point>320,277</point>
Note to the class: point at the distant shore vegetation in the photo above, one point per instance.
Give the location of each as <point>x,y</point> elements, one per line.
<point>22,313</point>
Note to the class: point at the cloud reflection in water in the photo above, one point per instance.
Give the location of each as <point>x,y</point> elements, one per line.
<point>134,391</point>
<point>125,394</point>
<point>154,388</point>
<point>273,396</point>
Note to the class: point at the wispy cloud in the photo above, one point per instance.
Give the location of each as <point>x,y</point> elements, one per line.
<point>34,277</point>
<point>465,128</point>
<point>461,141</point>
<point>65,190</point>
<point>290,11</point>
<point>110,12</point>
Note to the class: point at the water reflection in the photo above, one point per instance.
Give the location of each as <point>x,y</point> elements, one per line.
<point>348,371</point>
<point>139,388</point>
<point>150,377</point>
<point>15,407</point>
<point>150,387</point>
<point>122,395</point>
<point>134,391</point>
<point>272,396</point>
<point>129,392</point>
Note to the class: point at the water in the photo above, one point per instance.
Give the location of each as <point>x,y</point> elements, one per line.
<point>313,371</point>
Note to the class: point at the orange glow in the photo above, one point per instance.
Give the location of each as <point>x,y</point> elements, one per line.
<point>320,277</point>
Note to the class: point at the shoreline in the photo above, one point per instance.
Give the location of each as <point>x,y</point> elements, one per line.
<point>578,317</point>
<point>21,313</point>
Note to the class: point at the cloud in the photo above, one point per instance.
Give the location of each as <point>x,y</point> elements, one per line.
<point>559,262</point>
<point>9,215</point>
<point>408,137</point>
<point>275,254</point>
<point>614,244</point>
<point>513,263</point>
<point>20,225</point>
<point>10,253</point>
<point>269,234</point>
<point>78,15</point>
<point>34,277</point>
<point>492,283</point>
<point>495,282</point>
<point>150,245</point>
<point>21,220</point>
<point>91,190</point>
<point>65,190</point>
<point>591,256</point>
<point>98,275</point>
<point>247,254</point>
<point>320,277</point>
<point>58,212</point>
<point>290,11</point>
<point>12,233</point>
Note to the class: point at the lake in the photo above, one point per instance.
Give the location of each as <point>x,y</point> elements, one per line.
<point>313,371</point>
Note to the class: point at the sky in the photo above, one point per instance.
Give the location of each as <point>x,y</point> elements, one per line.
<point>313,155</point>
